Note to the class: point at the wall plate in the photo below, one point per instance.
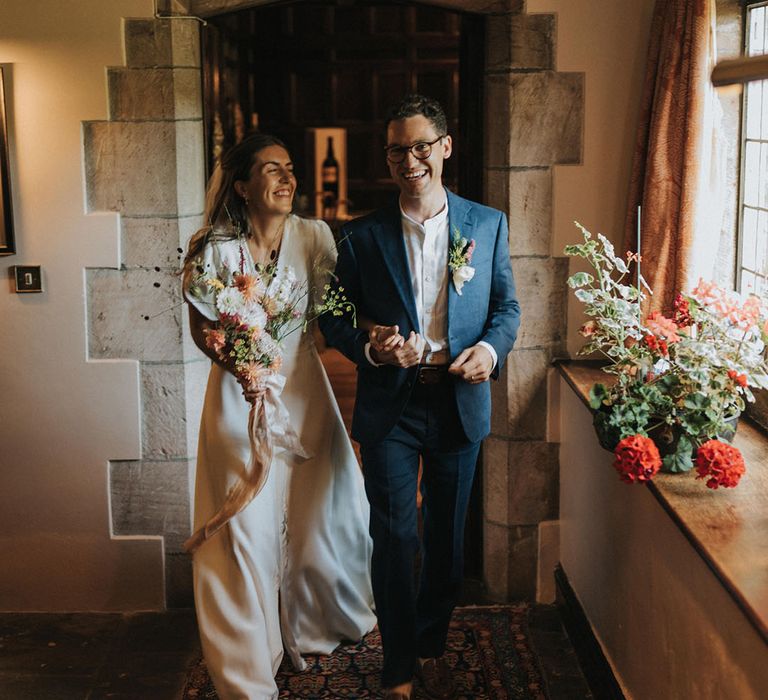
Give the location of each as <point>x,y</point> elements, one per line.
<point>29,278</point>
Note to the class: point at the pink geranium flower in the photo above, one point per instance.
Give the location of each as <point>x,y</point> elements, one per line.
<point>706,292</point>
<point>663,326</point>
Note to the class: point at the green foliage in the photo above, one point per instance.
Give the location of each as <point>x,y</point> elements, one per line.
<point>681,460</point>
<point>689,371</point>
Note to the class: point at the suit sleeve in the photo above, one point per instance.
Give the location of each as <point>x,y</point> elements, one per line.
<point>503,308</point>
<point>340,331</point>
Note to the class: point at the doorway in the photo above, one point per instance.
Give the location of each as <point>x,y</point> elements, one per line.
<point>334,63</point>
<point>340,64</point>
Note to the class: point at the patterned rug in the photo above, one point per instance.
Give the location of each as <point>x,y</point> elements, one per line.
<point>488,648</point>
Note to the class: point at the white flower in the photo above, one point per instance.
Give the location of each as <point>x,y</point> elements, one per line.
<point>254,315</point>
<point>283,286</point>
<point>266,345</point>
<point>461,275</point>
<point>230,301</point>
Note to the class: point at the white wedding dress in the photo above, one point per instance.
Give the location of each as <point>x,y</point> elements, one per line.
<point>292,569</point>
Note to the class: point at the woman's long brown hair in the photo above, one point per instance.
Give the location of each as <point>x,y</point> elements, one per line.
<point>226,216</point>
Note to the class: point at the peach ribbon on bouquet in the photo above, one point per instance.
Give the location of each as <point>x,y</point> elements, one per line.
<point>268,427</point>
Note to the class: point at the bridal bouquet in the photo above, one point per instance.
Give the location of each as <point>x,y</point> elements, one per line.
<point>255,313</point>
<point>682,378</point>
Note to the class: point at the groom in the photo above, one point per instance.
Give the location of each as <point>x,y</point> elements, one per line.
<point>424,393</point>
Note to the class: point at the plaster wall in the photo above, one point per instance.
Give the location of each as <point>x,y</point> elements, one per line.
<point>607,41</point>
<point>63,417</point>
<point>666,624</point>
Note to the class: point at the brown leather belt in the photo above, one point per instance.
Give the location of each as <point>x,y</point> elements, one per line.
<point>432,374</point>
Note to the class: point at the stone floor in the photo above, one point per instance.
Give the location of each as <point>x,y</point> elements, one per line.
<point>143,656</point>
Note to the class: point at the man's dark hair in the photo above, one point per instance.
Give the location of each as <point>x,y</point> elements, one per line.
<point>415,105</point>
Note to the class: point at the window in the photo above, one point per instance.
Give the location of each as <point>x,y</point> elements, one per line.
<point>752,258</point>
<point>753,240</point>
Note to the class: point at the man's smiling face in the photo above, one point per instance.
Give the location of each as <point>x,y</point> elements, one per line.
<point>416,178</point>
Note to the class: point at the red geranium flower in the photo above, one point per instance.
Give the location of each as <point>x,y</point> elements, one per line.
<point>682,311</point>
<point>637,459</point>
<point>720,464</point>
<point>740,379</point>
<point>654,343</point>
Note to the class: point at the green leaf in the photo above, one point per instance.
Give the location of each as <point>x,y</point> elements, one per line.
<point>597,394</point>
<point>580,279</point>
<point>585,296</point>
<point>681,460</point>
<point>572,250</point>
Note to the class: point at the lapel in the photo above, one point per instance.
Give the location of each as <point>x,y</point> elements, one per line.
<point>388,234</point>
<point>459,216</point>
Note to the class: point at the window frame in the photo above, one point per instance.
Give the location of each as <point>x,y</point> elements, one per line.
<point>757,411</point>
<point>747,6</point>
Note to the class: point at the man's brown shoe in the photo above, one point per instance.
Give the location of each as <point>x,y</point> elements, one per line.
<point>437,678</point>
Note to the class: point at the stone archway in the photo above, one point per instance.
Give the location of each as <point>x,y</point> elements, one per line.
<point>146,162</point>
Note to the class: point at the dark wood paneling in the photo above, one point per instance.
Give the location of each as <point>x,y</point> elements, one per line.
<point>327,63</point>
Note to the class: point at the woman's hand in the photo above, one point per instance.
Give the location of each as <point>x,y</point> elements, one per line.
<point>253,390</point>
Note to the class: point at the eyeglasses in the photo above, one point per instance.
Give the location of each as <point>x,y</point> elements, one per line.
<point>421,150</point>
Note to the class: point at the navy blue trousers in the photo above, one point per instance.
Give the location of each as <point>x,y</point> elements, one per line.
<point>414,623</point>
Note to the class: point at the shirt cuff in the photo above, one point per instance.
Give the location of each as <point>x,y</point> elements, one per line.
<point>489,348</point>
<point>372,361</point>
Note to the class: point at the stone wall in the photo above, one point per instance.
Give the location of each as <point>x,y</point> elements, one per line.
<point>146,162</point>
<point>534,121</point>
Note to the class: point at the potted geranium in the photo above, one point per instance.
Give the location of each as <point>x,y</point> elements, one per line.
<point>681,378</point>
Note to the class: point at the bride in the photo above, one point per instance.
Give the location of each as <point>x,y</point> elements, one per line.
<point>291,570</point>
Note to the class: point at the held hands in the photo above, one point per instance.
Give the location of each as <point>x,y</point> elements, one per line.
<point>474,365</point>
<point>385,338</point>
<point>400,353</point>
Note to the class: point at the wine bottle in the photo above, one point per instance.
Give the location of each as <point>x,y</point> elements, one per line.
<point>330,182</point>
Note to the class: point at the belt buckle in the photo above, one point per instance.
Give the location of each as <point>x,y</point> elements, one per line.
<point>430,375</point>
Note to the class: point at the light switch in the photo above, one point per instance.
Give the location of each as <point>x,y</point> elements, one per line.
<point>29,278</point>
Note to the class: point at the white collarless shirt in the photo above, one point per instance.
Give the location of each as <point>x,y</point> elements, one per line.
<point>426,246</point>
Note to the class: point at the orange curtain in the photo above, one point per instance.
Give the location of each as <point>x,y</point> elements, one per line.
<point>667,160</point>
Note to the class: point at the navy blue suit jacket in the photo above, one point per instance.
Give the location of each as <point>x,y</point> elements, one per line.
<point>373,270</point>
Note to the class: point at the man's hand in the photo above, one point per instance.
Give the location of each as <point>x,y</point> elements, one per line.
<point>407,354</point>
<point>474,365</point>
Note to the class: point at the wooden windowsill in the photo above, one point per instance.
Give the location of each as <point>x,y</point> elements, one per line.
<point>727,527</point>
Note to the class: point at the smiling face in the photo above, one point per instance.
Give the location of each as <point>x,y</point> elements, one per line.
<point>272,184</point>
<point>418,179</point>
